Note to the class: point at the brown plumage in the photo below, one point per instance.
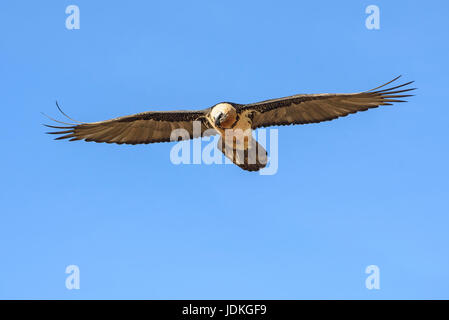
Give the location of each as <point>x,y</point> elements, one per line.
<point>157,126</point>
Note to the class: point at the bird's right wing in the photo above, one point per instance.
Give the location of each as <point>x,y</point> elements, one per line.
<point>146,127</point>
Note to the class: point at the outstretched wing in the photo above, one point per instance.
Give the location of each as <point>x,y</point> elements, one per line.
<point>313,108</point>
<point>146,127</point>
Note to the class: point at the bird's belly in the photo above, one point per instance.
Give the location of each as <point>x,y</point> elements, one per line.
<point>240,135</point>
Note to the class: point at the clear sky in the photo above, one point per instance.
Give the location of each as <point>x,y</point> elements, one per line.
<point>368,189</point>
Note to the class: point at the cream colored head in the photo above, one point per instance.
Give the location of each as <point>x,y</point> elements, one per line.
<point>223,115</point>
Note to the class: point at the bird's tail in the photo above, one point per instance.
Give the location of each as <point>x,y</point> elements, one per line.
<point>253,158</point>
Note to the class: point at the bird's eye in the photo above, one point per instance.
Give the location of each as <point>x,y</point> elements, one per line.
<point>220,118</point>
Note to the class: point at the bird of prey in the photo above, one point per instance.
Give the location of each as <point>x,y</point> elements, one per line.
<point>234,118</point>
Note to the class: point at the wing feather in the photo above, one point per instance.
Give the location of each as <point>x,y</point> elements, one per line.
<point>314,108</point>
<point>146,127</point>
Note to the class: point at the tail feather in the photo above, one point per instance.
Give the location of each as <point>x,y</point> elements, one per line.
<point>253,158</point>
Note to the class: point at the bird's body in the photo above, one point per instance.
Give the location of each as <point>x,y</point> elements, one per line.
<point>233,122</point>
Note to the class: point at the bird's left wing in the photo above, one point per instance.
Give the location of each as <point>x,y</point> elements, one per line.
<point>313,108</point>
<point>146,127</point>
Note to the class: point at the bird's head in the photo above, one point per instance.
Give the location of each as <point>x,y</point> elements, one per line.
<point>224,115</point>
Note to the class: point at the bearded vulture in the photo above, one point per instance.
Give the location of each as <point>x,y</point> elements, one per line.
<point>233,121</point>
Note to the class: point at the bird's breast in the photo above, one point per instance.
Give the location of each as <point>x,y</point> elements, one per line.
<point>240,133</point>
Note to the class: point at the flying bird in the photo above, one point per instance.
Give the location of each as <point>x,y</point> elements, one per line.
<point>234,122</point>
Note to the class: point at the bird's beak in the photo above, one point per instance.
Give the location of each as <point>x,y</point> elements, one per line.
<point>218,119</point>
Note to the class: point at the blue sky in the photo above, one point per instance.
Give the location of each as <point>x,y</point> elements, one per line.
<point>367,189</point>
